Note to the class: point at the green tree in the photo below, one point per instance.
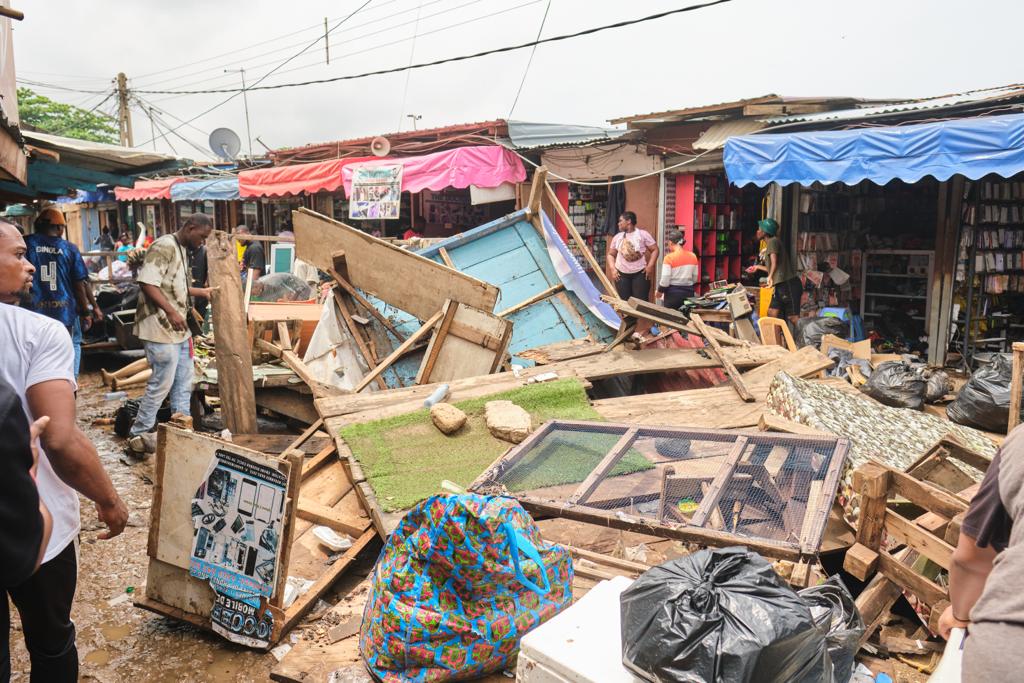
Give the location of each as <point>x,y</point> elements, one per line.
<point>57,118</point>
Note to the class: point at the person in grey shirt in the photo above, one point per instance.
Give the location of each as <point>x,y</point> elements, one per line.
<point>986,578</point>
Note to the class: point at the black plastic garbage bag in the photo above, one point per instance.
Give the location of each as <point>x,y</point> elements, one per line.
<point>938,386</point>
<point>809,331</point>
<point>720,615</point>
<point>835,612</point>
<point>984,402</point>
<point>897,384</point>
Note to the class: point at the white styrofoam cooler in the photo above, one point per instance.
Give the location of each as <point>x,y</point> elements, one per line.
<point>580,645</point>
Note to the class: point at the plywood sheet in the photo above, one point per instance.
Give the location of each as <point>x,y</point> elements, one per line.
<point>183,460</point>
<point>472,345</point>
<point>405,280</point>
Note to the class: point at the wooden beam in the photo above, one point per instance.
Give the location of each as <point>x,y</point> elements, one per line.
<point>582,493</point>
<point>925,495</point>
<point>330,517</point>
<point>417,285</point>
<point>730,369</point>
<point>400,351</point>
<point>783,109</point>
<point>861,561</point>
<point>304,436</point>
<point>294,459</point>
<point>540,181</point>
<point>625,310</point>
<point>770,422</point>
<point>909,534</point>
<point>714,494</point>
<point>370,308</point>
<point>609,288</point>
<point>550,291</point>
<point>445,257</point>
<point>357,336</point>
<point>1016,385</point>
<point>928,591</point>
<point>233,350</point>
<point>437,341</point>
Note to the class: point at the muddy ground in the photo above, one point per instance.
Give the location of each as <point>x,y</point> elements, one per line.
<point>120,642</point>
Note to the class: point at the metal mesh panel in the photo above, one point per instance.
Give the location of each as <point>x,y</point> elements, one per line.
<point>775,488</point>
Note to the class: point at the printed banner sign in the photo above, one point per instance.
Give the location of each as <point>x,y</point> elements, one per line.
<point>237,516</point>
<point>376,192</point>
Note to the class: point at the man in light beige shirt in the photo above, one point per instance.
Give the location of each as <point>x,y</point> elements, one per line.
<point>160,322</point>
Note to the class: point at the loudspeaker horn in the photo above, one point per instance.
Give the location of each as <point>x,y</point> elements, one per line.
<point>380,146</point>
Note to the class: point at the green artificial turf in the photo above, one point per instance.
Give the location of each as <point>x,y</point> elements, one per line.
<point>406,457</point>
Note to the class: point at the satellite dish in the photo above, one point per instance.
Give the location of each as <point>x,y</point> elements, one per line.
<point>225,143</point>
<point>380,146</point>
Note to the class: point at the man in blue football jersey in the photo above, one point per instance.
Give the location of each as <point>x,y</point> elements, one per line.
<point>60,289</point>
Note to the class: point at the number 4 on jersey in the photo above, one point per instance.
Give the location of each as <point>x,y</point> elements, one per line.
<point>48,273</point>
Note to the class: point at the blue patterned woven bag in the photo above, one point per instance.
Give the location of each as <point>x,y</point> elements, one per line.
<point>458,583</point>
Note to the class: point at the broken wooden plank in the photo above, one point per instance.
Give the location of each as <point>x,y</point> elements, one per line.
<point>367,306</point>
<point>909,534</point>
<point>714,493</point>
<point>329,517</point>
<point>536,298</point>
<point>730,369</point>
<point>602,469</point>
<point>770,422</point>
<point>234,354</point>
<point>861,561</point>
<point>421,286</point>
<point>672,320</point>
<point>437,342</point>
<point>422,332</point>
<point>445,257</point>
<point>357,336</point>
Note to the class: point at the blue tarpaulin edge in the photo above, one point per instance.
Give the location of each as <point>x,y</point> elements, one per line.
<point>202,190</point>
<point>970,147</point>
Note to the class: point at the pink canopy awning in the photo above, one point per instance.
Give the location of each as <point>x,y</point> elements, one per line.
<point>147,189</point>
<point>484,166</point>
<point>278,181</point>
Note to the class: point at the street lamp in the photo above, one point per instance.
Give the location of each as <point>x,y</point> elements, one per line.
<point>415,118</point>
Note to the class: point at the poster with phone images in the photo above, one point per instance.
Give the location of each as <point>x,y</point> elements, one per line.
<point>376,192</point>
<point>237,518</point>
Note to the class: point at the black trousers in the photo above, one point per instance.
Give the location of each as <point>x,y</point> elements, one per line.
<point>633,284</point>
<point>44,603</point>
<point>676,295</point>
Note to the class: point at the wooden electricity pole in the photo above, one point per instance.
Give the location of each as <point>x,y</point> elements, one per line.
<point>124,114</point>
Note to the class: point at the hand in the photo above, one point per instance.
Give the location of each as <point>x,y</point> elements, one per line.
<point>769,282</point>
<point>947,622</point>
<point>86,321</point>
<point>36,431</point>
<point>114,515</point>
<point>97,315</point>
<point>177,321</point>
<point>649,271</point>
<point>751,270</point>
<point>202,292</point>
<point>613,274</point>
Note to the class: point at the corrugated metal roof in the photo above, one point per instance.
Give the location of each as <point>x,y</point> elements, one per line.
<point>526,135</point>
<point>701,109</point>
<point>1005,92</point>
<point>715,136</point>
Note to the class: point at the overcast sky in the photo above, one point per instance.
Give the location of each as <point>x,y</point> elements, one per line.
<point>744,48</point>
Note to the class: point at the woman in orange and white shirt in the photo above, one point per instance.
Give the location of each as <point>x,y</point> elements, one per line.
<point>679,272</point>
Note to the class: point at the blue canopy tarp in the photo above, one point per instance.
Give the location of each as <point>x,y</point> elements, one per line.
<point>970,147</point>
<point>202,190</point>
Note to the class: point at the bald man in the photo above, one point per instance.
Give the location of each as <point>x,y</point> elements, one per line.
<point>38,362</point>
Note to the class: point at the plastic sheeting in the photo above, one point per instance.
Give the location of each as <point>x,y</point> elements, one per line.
<point>201,190</point>
<point>574,277</point>
<point>483,166</point>
<point>970,147</point>
<point>279,181</point>
<point>332,356</point>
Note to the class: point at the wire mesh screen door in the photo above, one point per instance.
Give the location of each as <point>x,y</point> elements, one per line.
<point>771,492</point>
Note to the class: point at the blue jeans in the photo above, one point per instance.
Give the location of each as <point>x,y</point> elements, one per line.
<point>172,374</point>
<point>76,341</point>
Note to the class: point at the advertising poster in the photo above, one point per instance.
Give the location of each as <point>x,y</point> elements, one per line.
<point>237,515</point>
<point>376,192</point>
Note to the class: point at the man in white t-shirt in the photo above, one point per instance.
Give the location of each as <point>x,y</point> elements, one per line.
<point>38,362</point>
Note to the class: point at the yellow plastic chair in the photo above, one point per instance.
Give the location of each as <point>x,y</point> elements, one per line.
<point>775,331</point>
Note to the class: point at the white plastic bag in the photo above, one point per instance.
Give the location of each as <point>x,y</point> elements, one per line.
<point>948,670</point>
<point>331,355</point>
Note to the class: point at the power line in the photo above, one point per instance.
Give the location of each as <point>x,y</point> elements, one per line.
<point>264,42</point>
<point>264,76</point>
<point>447,60</point>
<point>362,36</point>
<point>529,61</point>
<point>52,86</point>
<point>408,74</point>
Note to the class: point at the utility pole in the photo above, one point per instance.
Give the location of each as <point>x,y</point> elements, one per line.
<point>245,100</point>
<point>124,114</point>
<point>415,118</point>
